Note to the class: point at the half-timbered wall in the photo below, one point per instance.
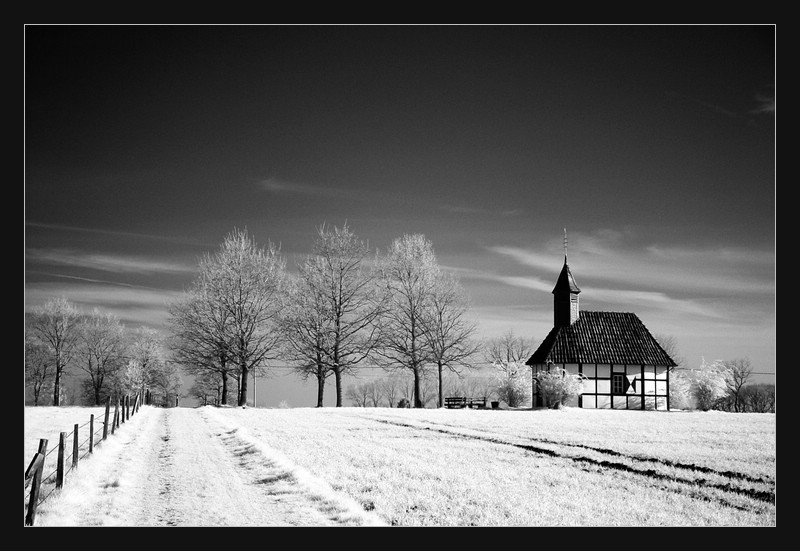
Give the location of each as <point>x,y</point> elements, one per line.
<point>618,386</point>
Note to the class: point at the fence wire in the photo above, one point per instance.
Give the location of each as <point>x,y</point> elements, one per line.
<point>48,484</point>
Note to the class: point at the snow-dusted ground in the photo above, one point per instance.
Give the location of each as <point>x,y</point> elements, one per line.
<point>403,467</point>
<point>187,467</point>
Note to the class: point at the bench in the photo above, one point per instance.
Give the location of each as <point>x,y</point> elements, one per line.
<point>464,402</point>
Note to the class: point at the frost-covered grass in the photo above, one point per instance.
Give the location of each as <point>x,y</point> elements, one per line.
<point>541,468</point>
<point>48,422</point>
<point>567,467</point>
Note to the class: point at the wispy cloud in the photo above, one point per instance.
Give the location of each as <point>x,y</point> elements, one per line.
<point>105,262</point>
<point>88,279</point>
<point>96,231</point>
<point>363,194</point>
<point>766,104</point>
<point>282,187</point>
<point>611,259</point>
<point>134,306</point>
<point>457,209</point>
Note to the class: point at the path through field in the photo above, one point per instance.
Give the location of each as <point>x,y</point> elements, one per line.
<point>181,467</point>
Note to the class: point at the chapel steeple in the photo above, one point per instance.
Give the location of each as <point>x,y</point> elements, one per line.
<point>565,295</point>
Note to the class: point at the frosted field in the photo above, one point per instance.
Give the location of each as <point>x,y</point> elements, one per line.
<point>407,467</point>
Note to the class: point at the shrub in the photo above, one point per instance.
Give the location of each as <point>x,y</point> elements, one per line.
<point>512,383</point>
<point>557,385</point>
<point>680,391</point>
<point>708,384</point>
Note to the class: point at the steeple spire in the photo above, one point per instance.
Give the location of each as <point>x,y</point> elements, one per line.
<point>565,295</point>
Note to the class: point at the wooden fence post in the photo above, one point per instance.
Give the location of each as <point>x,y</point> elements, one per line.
<point>105,422</point>
<point>91,432</point>
<point>75,446</point>
<point>115,421</point>
<point>60,466</point>
<point>35,472</point>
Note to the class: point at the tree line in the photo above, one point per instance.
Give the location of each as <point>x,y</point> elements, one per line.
<point>344,306</point>
<point>721,385</point>
<point>113,360</point>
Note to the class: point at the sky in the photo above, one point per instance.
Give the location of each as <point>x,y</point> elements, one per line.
<point>652,145</point>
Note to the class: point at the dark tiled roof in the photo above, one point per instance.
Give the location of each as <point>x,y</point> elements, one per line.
<point>602,337</point>
<point>565,281</point>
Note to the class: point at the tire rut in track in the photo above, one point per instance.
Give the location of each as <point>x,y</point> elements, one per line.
<point>637,464</point>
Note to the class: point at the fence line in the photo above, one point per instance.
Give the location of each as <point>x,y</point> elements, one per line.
<point>66,463</point>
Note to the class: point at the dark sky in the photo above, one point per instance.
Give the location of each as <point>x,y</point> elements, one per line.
<point>653,145</point>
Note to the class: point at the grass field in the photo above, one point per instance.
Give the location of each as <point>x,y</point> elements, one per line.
<point>543,468</point>
<point>568,467</point>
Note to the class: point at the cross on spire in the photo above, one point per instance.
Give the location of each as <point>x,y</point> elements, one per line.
<point>565,244</point>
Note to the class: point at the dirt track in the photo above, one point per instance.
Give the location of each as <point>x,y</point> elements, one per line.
<point>177,467</point>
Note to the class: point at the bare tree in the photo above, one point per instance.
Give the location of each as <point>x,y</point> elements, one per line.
<point>759,398</point>
<point>146,349</point>
<point>101,347</point>
<point>304,321</point>
<point>207,388</point>
<point>508,348</point>
<point>737,373</point>
<point>670,345</point>
<point>245,282</point>
<point>409,273</point>
<point>165,380</point>
<point>375,393</point>
<point>200,340</point>
<point>448,331</point>
<point>391,386</point>
<point>38,365</point>
<point>428,389</point>
<point>478,386</point>
<point>335,309</point>
<point>56,324</point>
<point>358,394</point>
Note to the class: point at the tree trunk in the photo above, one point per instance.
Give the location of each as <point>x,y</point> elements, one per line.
<point>57,387</point>
<point>338,375</point>
<point>224,397</point>
<point>243,386</point>
<point>320,389</point>
<point>417,400</point>
<point>441,399</point>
